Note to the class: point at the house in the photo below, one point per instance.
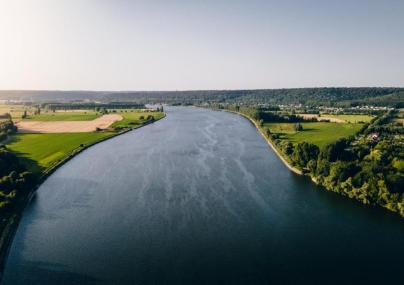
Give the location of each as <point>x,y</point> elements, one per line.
<point>374,137</point>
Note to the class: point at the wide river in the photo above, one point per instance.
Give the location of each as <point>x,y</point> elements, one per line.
<point>197,198</point>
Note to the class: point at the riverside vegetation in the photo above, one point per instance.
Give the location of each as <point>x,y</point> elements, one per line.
<point>363,161</point>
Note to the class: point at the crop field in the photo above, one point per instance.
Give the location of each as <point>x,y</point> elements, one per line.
<point>134,119</point>
<point>41,151</point>
<point>102,122</point>
<point>353,118</point>
<point>318,133</point>
<point>64,116</point>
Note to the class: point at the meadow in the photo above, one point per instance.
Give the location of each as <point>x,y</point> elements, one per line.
<point>318,133</point>
<point>135,119</point>
<point>352,118</point>
<point>39,152</point>
<point>17,111</point>
<point>65,116</point>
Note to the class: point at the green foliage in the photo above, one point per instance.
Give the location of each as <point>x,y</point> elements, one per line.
<point>7,128</point>
<point>305,96</point>
<point>318,133</point>
<point>304,152</point>
<point>136,119</point>
<point>350,161</point>
<point>14,179</point>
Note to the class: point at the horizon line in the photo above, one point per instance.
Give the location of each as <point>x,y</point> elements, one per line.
<point>194,90</point>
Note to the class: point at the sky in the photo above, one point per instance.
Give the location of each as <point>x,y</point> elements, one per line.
<point>188,45</point>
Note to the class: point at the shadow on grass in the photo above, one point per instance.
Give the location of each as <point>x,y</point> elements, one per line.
<point>29,163</point>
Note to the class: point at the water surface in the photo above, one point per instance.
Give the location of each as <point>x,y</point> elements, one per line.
<point>197,198</point>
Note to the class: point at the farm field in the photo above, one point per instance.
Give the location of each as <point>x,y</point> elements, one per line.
<point>352,118</point>
<point>103,122</point>
<point>133,119</point>
<point>64,116</point>
<point>318,133</point>
<point>339,118</point>
<point>49,137</point>
<point>41,151</point>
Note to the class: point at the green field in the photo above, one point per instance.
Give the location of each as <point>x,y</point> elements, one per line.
<point>352,118</point>
<point>65,116</point>
<point>133,119</point>
<point>318,133</point>
<point>41,151</point>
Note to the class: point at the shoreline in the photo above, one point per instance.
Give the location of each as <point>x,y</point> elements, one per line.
<point>299,172</point>
<point>285,162</point>
<point>11,226</point>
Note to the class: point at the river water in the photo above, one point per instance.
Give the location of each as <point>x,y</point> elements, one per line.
<point>197,198</point>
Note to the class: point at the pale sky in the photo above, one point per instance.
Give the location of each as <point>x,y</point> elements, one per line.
<point>182,45</point>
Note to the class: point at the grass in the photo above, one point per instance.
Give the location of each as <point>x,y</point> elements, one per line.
<point>133,119</point>
<point>352,118</point>
<point>318,133</point>
<point>65,116</point>
<point>41,151</point>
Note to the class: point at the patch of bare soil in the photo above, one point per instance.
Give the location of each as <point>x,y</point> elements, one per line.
<point>68,126</point>
<point>322,118</point>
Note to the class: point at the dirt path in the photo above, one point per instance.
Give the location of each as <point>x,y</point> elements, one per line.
<point>68,126</point>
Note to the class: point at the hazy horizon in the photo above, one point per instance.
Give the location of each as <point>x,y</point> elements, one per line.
<point>199,45</point>
<point>188,90</point>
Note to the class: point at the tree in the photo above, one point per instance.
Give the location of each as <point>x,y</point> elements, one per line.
<point>304,152</point>
<point>261,123</point>
<point>298,127</point>
<point>334,151</point>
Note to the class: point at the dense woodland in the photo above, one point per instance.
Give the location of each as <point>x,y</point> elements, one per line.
<point>306,96</point>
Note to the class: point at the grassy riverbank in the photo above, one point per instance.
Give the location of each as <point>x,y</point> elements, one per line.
<point>318,133</point>
<point>39,152</point>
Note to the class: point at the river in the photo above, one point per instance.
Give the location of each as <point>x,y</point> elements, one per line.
<point>197,198</point>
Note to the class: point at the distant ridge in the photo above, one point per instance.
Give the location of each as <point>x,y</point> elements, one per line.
<point>333,96</point>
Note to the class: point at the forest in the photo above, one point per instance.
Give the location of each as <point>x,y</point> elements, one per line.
<point>343,97</point>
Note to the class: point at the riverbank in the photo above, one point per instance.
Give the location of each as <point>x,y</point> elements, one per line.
<point>270,143</point>
<point>387,200</point>
<point>12,220</point>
